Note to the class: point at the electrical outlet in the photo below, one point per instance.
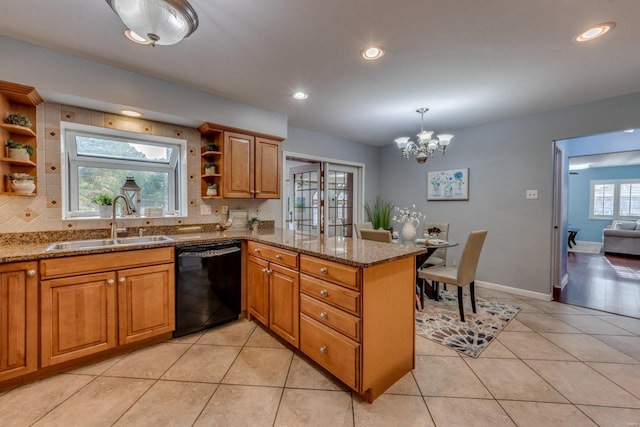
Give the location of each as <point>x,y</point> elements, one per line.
<point>454,262</point>
<point>532,194</point>
<point>205,210</point>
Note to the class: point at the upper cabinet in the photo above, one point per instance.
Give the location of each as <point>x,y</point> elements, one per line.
<point>249,165</point>
<point>18,99</point>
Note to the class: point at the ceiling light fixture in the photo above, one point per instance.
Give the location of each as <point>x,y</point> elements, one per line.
<point>426,146</point>
<point>372,53</point>
<point>130,113</point>
<point>135,38</point>
<point>163,22</point>
<point>579,166</point>
<point>595,31</point>
<point>300,95</point>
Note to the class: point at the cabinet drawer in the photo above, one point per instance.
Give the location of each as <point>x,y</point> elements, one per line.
<point>332,271</point>
<point>273,254</point>
<point>331,316</point>
<point>338,296</point>
<point>82,264</point>
<point>331,350</point>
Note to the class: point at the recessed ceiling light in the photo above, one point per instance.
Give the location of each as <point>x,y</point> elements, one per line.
<point>595,31</point>
<point>372,53</point>
<point>579,166</point>
<point>300,95</point>
<point>629,130</point>
<point>130,113</point>
<point>135,37</point>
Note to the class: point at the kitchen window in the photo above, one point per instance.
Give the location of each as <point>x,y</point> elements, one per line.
<point>615,199</point>
<point>98,160</point>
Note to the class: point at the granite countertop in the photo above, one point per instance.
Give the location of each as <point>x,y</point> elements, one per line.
<point>355,252</point>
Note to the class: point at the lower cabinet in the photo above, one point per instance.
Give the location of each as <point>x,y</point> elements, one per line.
<point>84,314</point>
<point>18,319</point>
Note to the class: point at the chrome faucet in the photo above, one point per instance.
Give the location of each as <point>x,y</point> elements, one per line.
<point>114,227</point>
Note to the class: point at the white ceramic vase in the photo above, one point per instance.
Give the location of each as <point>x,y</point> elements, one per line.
<point>212,191</point>
<point>23,186</point>
<point>105,211</point>
<point>409,230</point>
<point>18,153</point>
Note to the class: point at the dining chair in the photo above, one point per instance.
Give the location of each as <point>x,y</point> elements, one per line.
<point>362,226</point>
<point>439,257</point>
<point>377,235</point>
<point>463,275</point>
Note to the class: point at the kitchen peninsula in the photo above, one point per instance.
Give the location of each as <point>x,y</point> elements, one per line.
<point>345,303</point>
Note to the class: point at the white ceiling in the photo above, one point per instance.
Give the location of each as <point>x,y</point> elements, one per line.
<point>469,61</point>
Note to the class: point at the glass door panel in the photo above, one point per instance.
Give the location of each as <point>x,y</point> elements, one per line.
<point>306,215</point>
<point>341,192</point>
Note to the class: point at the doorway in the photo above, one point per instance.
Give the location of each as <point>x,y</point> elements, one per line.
<point>323,196</point>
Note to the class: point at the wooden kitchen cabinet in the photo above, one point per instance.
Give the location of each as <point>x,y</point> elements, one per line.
<point>273,290</point>
<point>18,319</point>
<point>249,163</point>
<point>92,303</point>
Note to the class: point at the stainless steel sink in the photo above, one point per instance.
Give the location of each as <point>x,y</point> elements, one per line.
<point>102,243</point>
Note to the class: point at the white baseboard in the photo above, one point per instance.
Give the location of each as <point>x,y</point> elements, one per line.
<point>515,291</point>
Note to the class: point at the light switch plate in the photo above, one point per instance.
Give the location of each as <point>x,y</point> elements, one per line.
<point>205,210</point>
<point>532,194</point>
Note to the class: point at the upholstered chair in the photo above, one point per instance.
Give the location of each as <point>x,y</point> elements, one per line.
<point>377,235</point>
<point>439,257</point>
<point>360,226</point>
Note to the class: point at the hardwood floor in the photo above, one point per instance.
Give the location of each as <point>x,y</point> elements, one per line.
<point>608,283</point>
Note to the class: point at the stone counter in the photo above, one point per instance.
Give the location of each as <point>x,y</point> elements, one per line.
<point>355,252</point>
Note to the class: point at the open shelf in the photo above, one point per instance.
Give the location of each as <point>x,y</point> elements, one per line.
<point>17,130</point>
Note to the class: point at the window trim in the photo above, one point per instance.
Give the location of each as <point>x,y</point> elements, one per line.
<point>69,156</point>
<point>616,198</point>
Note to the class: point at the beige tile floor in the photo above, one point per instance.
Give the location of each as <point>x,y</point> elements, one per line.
<point>553,365</point>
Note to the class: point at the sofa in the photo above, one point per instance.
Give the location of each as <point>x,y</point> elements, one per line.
<point>623,237</point>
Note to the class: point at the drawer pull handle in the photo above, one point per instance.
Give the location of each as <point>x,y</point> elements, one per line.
<point>31,273</point>
<point>324,349</point>
<point>324,293</point>
<point>122,280</point>
<point>278,256</point>
<point>324,315</point>
<point>324,270</point>
<point>110,281</point>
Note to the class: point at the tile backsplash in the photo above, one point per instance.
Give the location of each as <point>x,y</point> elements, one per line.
<point>44,213</point>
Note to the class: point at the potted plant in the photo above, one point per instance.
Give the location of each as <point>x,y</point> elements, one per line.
<point>18,120</point>
<point>18,150</point>
<point>209,168</point>
<point>22,183</point>
<point>211,147</point>
<point>104,202</point>
<point>380,213</point>
<point>254,222</point>
<point>212,189</point>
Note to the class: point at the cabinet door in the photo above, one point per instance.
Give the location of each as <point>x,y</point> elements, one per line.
<point>284,298</point>
<point>18,319</point>
<point>267,172</point>
<point>78,317</point>
<point>258,289</point>
<point>238,166</point>
<point>146,300</point>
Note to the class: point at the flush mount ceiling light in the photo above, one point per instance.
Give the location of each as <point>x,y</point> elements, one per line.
<point>300,95</point>
<point>163,22</point>
<point>426,146</point>
<point>595,31</point>
<point>372,53</point>
<point>130,113</point>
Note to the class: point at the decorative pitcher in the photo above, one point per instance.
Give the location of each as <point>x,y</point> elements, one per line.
<point>409,230</point>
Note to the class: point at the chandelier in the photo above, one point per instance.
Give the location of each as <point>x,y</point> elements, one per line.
<point>426,146</point>
<point>163,22</point>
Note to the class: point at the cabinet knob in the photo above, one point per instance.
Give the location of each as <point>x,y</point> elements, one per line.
<point>264,270</point>
<point>256,250</point>
<point>256,192</point>
<point>110,281</point>
<point>324,293</point>
<point>324,270</point>
<point>324,315</point>
<point>31,273</point>
<point>324,349</point>
<point>278,256</point>
<point>121,280</point>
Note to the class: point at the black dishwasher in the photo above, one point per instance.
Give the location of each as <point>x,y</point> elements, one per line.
<point>208,285</point>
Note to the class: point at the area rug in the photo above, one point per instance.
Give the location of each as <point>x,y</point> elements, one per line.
<point>439,321</point>
<point>586,247</point>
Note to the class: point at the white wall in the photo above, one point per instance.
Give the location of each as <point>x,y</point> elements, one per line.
<point>505,159</point>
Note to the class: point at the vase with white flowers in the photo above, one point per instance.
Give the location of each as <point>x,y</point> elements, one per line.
<point>410,218</point>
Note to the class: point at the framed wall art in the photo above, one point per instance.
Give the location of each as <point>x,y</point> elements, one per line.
<point>452,184</point>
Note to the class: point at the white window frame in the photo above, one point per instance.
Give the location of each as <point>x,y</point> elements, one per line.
<point>616,198</point>
<point>70,162</point>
